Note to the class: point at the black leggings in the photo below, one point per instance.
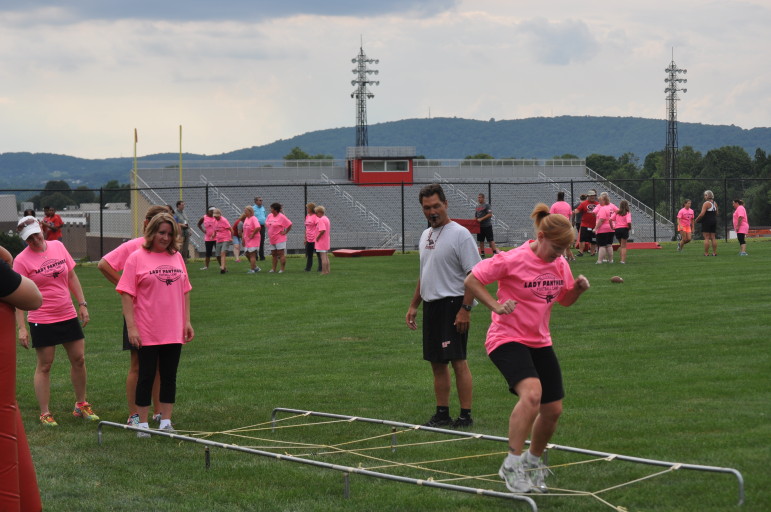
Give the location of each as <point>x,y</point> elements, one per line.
<point>166,358</point>
<point>310,248</point>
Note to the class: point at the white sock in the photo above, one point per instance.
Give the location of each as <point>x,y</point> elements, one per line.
<point>143,425</point>
<point>165,423</point>
<point>512,460</point>
<point>531,459</point>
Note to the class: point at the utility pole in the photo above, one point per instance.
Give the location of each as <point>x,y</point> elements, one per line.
<point>361,93</point>
<point>673,82</point>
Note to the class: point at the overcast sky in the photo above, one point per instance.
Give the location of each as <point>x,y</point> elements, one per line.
<point>78,79</point>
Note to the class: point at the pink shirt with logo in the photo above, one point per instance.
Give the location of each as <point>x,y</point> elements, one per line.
<point>604,213</point>
<point>621,221</point>
<point>685,217</point>
<point>158,283</point>
<point>535,284</point>
<point>249,225</point>
<point>311,223</point>
<point>208,228</point>
<point>562,208</point>
<point>744,227</point>
<point>323,242</point>
<point>222,230</point>
<point>50,272</point>
<point>276,224</point>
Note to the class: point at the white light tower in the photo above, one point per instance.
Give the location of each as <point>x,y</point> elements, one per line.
<point>362,93</point>
<point>673,82</point>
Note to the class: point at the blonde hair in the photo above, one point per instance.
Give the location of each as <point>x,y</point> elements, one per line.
<point>155,225</point>
<point>320,209</point>
<point>709,194</point>
<point>556,228</point>
<point>604,197</point>
<point>310,207</point>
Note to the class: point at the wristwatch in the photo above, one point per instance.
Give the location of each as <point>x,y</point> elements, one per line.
<point>84,303</point>
<point>468,307</point>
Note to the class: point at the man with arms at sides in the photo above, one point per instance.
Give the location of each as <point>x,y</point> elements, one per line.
<point>484,215</point>
<point>447,255</point>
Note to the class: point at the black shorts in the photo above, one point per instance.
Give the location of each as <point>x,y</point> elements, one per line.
<point>517,362</point>
<point>485,233</point>
<point>126,344</point>
<point>210,247</point>
<point>442,342</point>
<point>622,234</point>
<point>49,335</point>
<point>605,239</point>
<point>587,235</point>
<point>709,226</point>
<point>740,238</point>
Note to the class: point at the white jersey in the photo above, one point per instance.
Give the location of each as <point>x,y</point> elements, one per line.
<point>447,255</point>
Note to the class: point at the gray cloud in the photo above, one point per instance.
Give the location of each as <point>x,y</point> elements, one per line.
<point>560,43</point>
<point>199,10</point>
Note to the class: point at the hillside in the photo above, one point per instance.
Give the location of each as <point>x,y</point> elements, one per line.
<point>433,138</point>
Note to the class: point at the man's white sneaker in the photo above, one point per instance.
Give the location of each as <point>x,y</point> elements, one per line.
<point>515,477</point>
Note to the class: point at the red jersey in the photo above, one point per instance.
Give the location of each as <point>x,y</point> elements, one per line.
<point>589,218</point>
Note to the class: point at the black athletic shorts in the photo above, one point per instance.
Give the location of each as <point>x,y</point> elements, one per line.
<point>709,226</point>
<point>516,362</point>
<point>622,234</point>
<point>587,235</point>
<point>740,238</point>
<point>442,342</point>
<point>49,335</point>
<point>485,233</point>
<point>605,239</point>
<point>209,247</point>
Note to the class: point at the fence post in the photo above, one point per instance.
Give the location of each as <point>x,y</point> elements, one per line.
<point>655,238</point>
<point>403,243</point>
<point>101,223</point>
<point>207,195</point>
<point>725,208</point>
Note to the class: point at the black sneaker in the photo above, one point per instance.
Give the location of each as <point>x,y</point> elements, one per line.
<point>463,422</point>
<point>580,254</point>
<point>439,421</point>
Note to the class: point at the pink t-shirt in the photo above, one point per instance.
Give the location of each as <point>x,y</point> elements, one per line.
<point>208,228</point>
<point>222,230</point>
<point>118,256</point>
<point>534,284</point>
<point>50,270</point>
<point>604,213</point>
<point>322,242</point>
<point>621,221</point>
<point>158,283</point>
<point>276,224</point>
<point>311,223</point>
<point>744,227</point>
<point>249,225</point>
<point>562,208</point>
<point>684,217</point>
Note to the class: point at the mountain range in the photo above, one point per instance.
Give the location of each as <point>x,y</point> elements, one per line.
<point>438,138</point>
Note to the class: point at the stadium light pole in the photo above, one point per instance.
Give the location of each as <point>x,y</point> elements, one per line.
<point>673,81</point>
<point>362,94</point>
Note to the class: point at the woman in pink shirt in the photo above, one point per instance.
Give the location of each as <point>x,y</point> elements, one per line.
<point>154,290</point>
<point>622,222</point>
<point>48,264</point>
<point>741,225</point>
<point>322,239</point>
<point>604,229</point>
<point>278,225</point>
<point>251,231</point>
<point>223,235</point>
<point>311,227</point>
<point>531,278</point>
<point>206,224</point>
<point>685,224</point>
<point>562,207</point>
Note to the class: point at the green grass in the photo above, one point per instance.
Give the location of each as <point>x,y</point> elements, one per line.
<point>673,365</point>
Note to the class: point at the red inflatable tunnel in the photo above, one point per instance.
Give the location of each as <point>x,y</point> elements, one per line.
<point>18,483</point>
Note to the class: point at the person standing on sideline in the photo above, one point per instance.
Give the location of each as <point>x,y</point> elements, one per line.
<point>561,207</point>
<point>49,265</point>
<point>531,278</point>
<point>604,229</point>
<point>251,238</point>
<point>223,235</point>
<point>52,224</point>
<point>155,298</point>
<point>708,219</point>
<point>577,221</point>
<point>206,224</point>
<point>447,255</point>
<point>311,228</point>
<point>484,215</point>
<point>741,225</point>
<point>262,214</point>
<point>111,265</point>
<point>278,226</point>
<point>588,220</point>
<point>622,224</point>
<point>685,224</point>
<point>184,225</point>
<point>323,240</point>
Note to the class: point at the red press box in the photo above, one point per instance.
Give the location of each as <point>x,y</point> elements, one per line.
<point>470,224</point>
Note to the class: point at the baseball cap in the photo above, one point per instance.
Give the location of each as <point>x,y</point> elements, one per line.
<point>591,192</point>
<point>27,227</point>
<point>211,209</point>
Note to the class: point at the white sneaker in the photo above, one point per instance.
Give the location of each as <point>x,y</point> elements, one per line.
<point>536,473</point>
<point>204,268</point>
<point>280,271</point>
<point>143,434</point>
<point>250,271</point>
<point>515,478</point>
